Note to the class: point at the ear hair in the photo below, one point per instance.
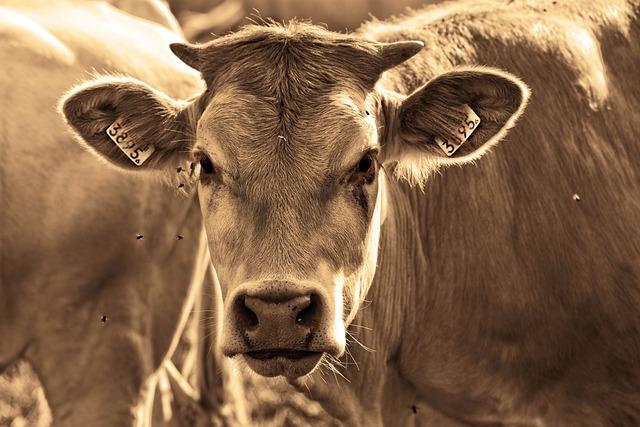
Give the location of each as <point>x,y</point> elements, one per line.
<point>150,116</point>
<point>437,110</point>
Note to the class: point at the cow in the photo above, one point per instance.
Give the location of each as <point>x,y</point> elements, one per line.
<point>98,276</point>
<point>500,292</point>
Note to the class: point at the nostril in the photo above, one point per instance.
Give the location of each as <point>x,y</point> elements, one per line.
<point>246,319</point>
<point>310,315</point>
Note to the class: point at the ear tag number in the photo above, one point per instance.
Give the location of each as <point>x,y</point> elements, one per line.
<point>464,131</point>
<point>137,152</point>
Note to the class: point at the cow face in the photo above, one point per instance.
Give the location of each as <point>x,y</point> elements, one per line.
<point>290,136</point>
<point>291,207</point>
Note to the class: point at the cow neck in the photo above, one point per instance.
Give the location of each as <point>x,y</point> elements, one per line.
<point>391,301</point>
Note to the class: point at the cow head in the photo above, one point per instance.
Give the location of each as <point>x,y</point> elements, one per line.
<point>290,136</point>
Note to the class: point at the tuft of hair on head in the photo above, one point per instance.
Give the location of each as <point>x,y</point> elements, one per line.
<point>359,57</point>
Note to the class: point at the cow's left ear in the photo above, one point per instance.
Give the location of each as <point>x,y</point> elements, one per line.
<point>128,123</point>
<point>453,119</point>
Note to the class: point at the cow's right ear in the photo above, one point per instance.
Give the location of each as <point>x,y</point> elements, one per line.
<point>454,119</point>
<point>150,128</point>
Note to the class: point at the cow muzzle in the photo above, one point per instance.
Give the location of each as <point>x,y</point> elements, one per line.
<point>281,328</point>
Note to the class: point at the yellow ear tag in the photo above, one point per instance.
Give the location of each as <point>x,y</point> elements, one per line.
<point>464,131</point>
<point>122,137</point>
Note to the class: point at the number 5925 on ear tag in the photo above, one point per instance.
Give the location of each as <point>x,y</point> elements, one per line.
<point>463,132</point>
<point>137,152</point>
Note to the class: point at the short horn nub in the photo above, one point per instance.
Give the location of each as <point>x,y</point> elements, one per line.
<point>392,54</point>
<point>189,54</point>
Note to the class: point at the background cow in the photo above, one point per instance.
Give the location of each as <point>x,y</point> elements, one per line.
<point>202,20</point>
<point>99,268</point>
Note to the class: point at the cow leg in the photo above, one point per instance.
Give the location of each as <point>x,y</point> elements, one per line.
<point>96,344</point>
<point>93,379</point>
<point>93,351</point>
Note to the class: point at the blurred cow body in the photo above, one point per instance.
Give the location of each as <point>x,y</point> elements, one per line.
<point>504,294</point>
<point>94,276</point>
<point>203,19</point>
<point>153,10</point>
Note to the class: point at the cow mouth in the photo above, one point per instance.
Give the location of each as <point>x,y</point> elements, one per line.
<point>289,354</point>
<point>289,363</point>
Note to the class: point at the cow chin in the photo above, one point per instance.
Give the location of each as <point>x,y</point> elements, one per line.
<point>288,363</point>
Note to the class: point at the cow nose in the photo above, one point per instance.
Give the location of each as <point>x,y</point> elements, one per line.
<point>278,323</point>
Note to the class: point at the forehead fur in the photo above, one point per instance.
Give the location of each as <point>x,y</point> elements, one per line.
<point>294,50</point>
<point>287,97</point>
<point>289,65</point>
<point>245,133</point>
<point>286,114</point>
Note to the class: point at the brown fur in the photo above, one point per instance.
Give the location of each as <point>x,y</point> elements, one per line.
<point>524,307</point>
<point>498,298</point>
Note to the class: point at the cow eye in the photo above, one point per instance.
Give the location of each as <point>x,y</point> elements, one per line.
<point>365,164</point>
<point>365,170</point>
<point>206,165</point>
